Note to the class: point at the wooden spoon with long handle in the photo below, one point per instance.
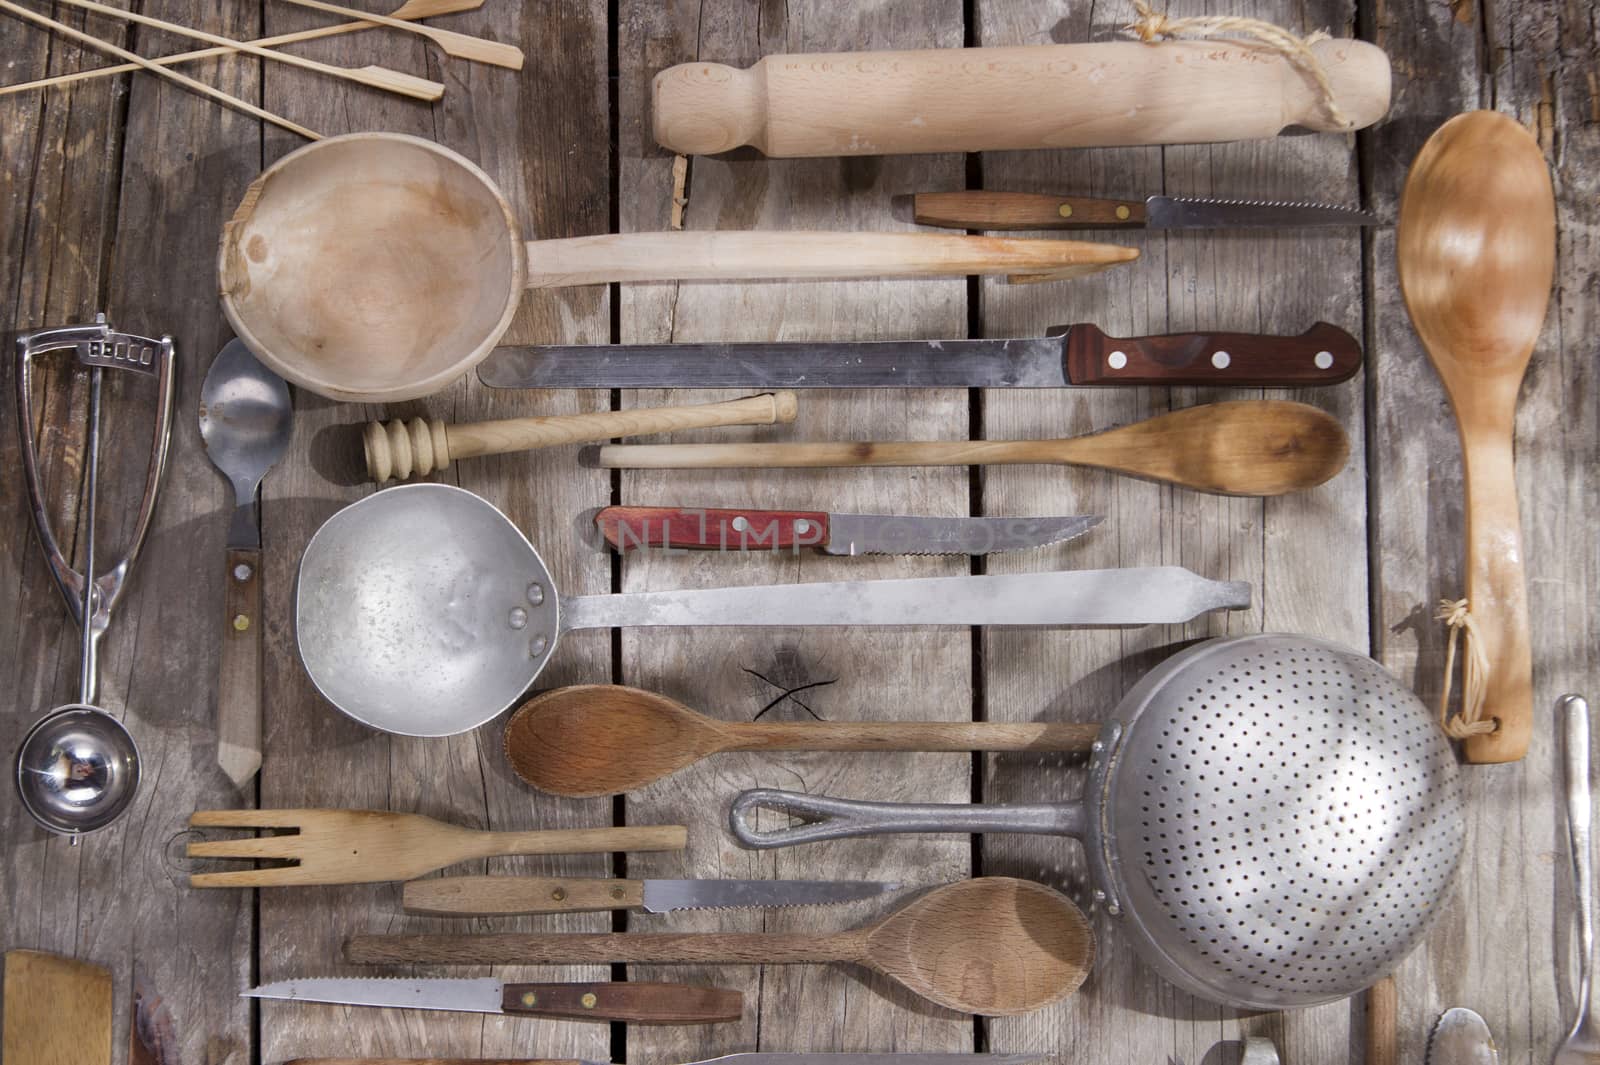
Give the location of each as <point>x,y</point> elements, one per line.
<point>171,75</point>
<point>606,739</point>
<point>421,446</point>
<point>411,9</point>
<point>374,76</point>
<point>458,45</point>
<point>1241,448</point>
<point>1476,250</point>
<point>994,945</point>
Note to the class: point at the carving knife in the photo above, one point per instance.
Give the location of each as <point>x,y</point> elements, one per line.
<point>637,1003</point>
<point>979,209</point>
<point>476,896</point>
<point>1461,1037</point>
<point>727,1059</point>
<point>1070,356</point>
<point>835,534</point>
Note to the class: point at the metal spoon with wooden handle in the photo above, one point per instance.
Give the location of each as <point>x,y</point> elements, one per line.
<point>606,739</point>
<point>421,446</point>
<point>1476,248</point>
<point>994,946</point>
<point>1241,448</point>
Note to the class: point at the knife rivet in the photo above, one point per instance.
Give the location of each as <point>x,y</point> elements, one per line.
<point>529,998</point>
<point>1117,360</point>
<point>589,1000</point>
<point>801,526</point>
<point>240,622</point>
<point>1065,210</point>
<point>1324,360</point>
<point>1221,359</point>
<point>241,572</point>
<point>740,524</point>
<point>617,893</point>
<point>1123,213</point>
<point>559,894</point>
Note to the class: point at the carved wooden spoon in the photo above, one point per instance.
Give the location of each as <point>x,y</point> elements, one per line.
<point>1476,250</point>
<point>994,945</point>
<point>605,739</point>
<point>1241,448</point>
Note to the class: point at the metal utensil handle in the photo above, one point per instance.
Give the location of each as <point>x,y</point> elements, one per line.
<point>97,345</point>
<point>1576,761</point>
<point>843,818</point>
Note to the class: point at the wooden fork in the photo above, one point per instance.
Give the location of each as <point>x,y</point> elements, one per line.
<point>368,846</point>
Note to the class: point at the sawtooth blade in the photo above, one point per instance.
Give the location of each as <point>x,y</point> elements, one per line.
<point>1172,212</point>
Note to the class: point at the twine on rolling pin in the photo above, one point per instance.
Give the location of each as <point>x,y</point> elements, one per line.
<point>1474,674</point>
<point>1151,27</point>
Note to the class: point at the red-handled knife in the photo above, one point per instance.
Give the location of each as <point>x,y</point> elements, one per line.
<point>704,529</point>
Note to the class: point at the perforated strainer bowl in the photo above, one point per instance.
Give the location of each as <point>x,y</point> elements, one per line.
<point>1274,819</point>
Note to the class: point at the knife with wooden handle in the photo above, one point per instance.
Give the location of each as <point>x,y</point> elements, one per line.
<point>630,1001</point>
<point>991,210</point>
<point>1038,96</point>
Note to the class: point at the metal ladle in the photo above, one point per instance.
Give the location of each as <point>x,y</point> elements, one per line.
<point>78,767</point>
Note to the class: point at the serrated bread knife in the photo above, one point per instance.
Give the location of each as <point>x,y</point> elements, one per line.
<point>980,209</point>
<point>477,896</point>
<point>759,1058</point>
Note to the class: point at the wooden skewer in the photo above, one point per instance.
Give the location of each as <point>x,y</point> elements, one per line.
<point>411,9</point>
<point>138,60</point>
<point>459,45</point>
<point>375,76</point>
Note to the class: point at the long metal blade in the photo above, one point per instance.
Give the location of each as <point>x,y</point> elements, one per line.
<point>763,1058</point>
<point>1168,212</point>
<point>1151,595</point>
<point>1028,363</point>
<point>480,995</point>
<point>1461,1037</point>
<point>664,896</point>
<point>886,534</point>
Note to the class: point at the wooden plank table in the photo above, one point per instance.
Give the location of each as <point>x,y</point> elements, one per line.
<point>111,196</point>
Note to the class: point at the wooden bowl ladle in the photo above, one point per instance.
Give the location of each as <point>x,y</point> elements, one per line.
<point>1476,249</point>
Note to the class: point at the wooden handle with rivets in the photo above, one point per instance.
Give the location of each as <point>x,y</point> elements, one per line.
<point>635,1003</point>
<point>1322,355</point>
<point>710,529</point>
<point>239,684</point>
<point>986,99</point>
<point>425,445</point>
<point>479,896</point>
<point>982,209</point>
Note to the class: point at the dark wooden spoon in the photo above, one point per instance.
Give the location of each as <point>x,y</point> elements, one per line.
<point>606,739</point>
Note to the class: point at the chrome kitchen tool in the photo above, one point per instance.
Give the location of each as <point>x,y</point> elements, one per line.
<point>246,418</point>
<point>705,529</point>
<point>1070,356</point>
<point>1461,1037</point>
<point>423,611</point>
<point>634,1003</point>
<point>982,209</point>
<point>78,767</point>
<point>1582,1045</point>
<point>1273,820</point>
<point>479,896</point>
<point>761,1058</point>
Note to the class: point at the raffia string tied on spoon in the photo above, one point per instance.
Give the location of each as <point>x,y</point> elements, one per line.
<point>1457,614</point>
<point>1153,27</point>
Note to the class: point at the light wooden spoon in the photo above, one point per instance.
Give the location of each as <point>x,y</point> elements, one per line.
<point>1239,448</point>
<point>995,946</point>
<point>1476,250</point>
<point>606,739</point>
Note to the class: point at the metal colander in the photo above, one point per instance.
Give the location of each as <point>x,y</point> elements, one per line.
<point>1274,819</point>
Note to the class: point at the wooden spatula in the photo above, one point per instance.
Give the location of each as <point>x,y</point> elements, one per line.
<point>57,1011</point>
<point>369,846</point>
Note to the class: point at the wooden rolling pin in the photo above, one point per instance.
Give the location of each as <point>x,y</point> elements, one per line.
<point>1040,96</point>
<point>423,445</point>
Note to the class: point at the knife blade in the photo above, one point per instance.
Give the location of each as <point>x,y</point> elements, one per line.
<point>981,209</point>
<point>727,1059</point>
<point>637,1003</point>
<point>1069,357</point>
<point>701,528</point>
<point>1461,1037</point>
<point>477,896</point>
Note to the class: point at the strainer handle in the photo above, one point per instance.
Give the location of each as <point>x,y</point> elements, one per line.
<point>831,818</point>
<point>1575,710</point>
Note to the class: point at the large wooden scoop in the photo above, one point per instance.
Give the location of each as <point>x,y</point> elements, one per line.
<point>1239,448</point>
<point>606,739</point>
<point>994,945</point>
<point>1476,248</point>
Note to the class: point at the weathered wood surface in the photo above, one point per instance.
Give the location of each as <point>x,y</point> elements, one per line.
<point>111,194</point>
